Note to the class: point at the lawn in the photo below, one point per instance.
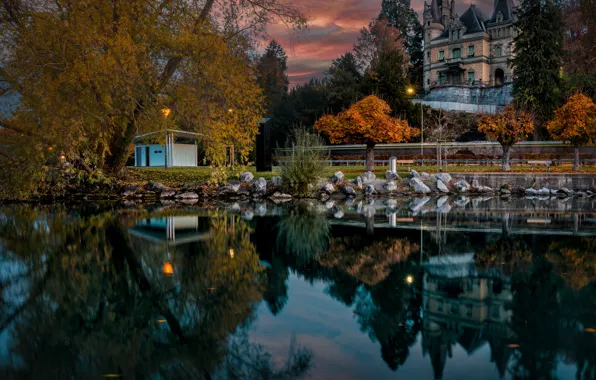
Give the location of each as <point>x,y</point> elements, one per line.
<point>179,176</point>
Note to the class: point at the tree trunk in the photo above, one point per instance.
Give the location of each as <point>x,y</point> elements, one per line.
<point>575,158</point>
<point>370,157</point>
<point>506,151</point>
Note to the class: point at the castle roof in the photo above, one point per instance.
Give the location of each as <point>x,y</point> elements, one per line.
<point>505,7</point>
<point>474,20</point>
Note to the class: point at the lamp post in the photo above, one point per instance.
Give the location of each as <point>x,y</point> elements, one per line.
<point>411,91</point>
<point>166,112</point>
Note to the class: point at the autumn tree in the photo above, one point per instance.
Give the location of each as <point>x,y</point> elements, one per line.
<point>366,122</point>
<point>508,128</point>
<point>91,75</point>
<point>575,122</point>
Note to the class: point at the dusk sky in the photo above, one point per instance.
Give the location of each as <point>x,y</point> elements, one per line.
<point>334,27</point>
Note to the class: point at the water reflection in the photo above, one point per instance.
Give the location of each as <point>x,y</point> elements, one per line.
<point>190,293</point>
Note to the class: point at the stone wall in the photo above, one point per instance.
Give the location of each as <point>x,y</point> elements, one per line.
<point>469,99</point>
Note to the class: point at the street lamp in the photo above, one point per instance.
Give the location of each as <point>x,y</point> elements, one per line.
<point>411,91</point>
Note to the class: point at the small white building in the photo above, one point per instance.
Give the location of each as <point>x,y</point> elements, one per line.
<point>180,149</point>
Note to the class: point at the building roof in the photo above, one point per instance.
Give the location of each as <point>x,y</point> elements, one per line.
<point>505,7</point>
<point>474,20</point>
<point>157,134</point>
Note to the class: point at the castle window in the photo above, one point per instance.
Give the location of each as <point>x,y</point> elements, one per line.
<point>454,35</point>
<point>498,51</point>
<point>471,76</point>
<point>499,33</point>
<point>459,34</point>
<point>441,55</point>
<point>456,53</point>
<point>428,56</point>
<point>442,77</point>
<point>469,311</point>
<point>499,17</point>
<point>471,51</point>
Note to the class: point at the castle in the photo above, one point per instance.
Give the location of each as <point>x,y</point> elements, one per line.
<point>469,51</point>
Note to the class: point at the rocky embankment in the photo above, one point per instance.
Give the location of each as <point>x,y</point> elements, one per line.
<point>337,187</point>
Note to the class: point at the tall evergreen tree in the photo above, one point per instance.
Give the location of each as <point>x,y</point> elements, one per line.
<point>538,57</point>
<point>400,15</point>
<point>271,74</point>
<point>344,82</point>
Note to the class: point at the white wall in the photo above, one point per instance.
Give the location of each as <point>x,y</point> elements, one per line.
<point>184,155</point>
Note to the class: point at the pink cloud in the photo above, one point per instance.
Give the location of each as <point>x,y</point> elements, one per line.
<point>334,27</point>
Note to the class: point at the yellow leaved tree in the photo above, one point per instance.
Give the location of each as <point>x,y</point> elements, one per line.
<point>575,122</point>
<point>90,75</point>
<point>366,122</point>
<point>508,128</point>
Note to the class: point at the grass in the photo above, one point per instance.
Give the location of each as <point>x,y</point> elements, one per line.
<point>178,176</point>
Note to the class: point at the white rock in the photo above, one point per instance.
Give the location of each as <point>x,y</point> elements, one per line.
<point>329,188</point>
<point>368,177</point>
<point>390,176</point>
<point>260,186</point>
<point>349,191</point>
<point>445,177</point>
<point>414,174</point>
<point>188,195</point>
<point>370,189</point>
<point>337,177</point>
<point>462,186</point>
<point>424,176</point>
<point>441,186</point>
<point>358,182</point>
<point>167,194</point>
<point>417,204</point>
<point>246,177</point>
<point>418,186</point>
<point>391,186</point>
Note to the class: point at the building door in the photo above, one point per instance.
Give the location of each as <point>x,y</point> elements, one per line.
<point>138,157</point>
<point>499,77</point>
<point>147,154</point>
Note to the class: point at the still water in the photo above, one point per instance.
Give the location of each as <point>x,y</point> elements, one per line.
<point>448,288</point>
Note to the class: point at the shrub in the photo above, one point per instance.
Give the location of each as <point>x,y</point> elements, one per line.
<point>301,163</point>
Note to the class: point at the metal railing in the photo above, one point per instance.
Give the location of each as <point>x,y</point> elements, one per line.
<point>461,162</point>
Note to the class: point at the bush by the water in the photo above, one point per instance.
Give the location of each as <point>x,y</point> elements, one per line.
<point>301,163</point>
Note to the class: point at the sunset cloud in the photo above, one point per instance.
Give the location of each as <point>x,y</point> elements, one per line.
<point>334,27</point>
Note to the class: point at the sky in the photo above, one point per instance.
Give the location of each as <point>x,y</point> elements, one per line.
<point>333,29</point>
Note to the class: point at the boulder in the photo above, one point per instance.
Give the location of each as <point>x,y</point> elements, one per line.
<point>419,186</point>
<point>484,189</point>
<point>337,177</point>
<point>390,176</point>
<point>187,195</point>
<point>368,177</point>
<point>417,204</point>
<point>329,188</point>
<point>544,191</point>
<point>414,174</point>
<point>276,181</point>
<point>155,186</point>
<point>167,194</point>
<point>531,191</point>
<point>475,183</point>
<point>349,191</point>
<point>445,177</point>
<point>441,186</point>
<point>246,177</point>
<point>278,195</point>
<point>424,176</point>
<point>329,204</point>
<point>129,190</point>
<point>391,186</point>
<point>370,189</point>
<point>462,186</point>
<point>260,186</point>
<point>505,191</point>
<point>564,190</point>
<point>358,182</point>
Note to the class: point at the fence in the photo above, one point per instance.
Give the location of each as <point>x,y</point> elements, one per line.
<point>459,162</point>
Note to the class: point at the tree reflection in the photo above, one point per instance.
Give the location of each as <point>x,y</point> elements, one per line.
<point>79,301</point>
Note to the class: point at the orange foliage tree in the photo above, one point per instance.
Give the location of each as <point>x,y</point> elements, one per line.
<point>507,127</point>
<point>575,122</point>
<point>366,122</point>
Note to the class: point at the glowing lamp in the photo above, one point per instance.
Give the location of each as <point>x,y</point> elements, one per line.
<point>410,90</point>
<point>409,279</point>
<point>166,112</point>
<point>232,252</point>
<point>168,268</point>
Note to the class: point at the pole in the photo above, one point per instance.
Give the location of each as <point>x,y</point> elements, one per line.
<point>166,150</point>
<point>421,130</point>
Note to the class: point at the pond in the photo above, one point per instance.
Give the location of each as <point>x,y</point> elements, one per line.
<point>447,288</point>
